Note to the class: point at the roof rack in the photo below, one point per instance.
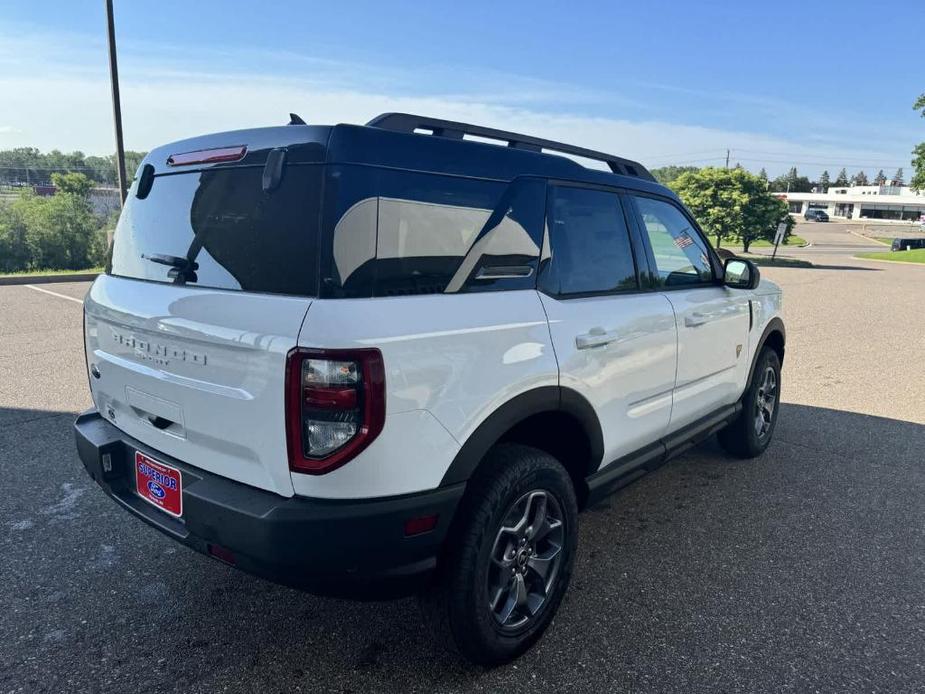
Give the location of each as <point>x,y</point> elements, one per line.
<point>410,123</point>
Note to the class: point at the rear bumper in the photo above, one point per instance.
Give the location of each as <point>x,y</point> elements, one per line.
<point>354,548</point>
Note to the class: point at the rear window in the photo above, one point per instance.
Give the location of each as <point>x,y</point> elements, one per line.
<point>239,236</point>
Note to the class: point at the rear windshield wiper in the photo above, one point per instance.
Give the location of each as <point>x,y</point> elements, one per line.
<point>181,269</point>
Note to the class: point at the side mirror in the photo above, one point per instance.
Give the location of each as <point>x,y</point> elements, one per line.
<point>740,273</point>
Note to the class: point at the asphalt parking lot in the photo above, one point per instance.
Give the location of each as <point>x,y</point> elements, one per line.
<point>801,571</point>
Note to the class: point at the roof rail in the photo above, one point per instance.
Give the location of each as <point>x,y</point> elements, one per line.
<point>410,123</point>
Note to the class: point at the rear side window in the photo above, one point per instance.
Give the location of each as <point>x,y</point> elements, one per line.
<point>681,256</point>
<point>426,226</point>
<point>239,236</point>
<point>389,233</point>
<point>590,249</point>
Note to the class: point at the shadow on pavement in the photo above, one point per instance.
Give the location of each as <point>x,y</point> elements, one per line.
<point>800,567</point>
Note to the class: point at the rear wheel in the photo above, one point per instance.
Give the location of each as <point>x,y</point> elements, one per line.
<point>509,558</point>
<point>749,435</point>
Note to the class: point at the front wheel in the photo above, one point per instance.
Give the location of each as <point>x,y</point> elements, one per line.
<point>509,559</point>
<point>750,433</point>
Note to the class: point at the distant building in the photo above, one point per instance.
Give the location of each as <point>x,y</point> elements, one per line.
<point>104,201</point>
<point>882,203</point>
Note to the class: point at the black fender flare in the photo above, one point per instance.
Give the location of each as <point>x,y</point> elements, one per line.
<point>517,410</point>
<point>775,325</point>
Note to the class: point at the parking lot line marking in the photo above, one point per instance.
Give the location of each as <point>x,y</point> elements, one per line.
<point>60,296</point>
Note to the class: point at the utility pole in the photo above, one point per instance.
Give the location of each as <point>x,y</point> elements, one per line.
<point>116,105</point>
<point>727,158</point>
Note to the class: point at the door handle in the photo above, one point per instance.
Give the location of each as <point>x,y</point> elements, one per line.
<point>596,337</point>
<point>694,319</point>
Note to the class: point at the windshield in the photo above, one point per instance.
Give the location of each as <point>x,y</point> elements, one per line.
<point>239,236</point>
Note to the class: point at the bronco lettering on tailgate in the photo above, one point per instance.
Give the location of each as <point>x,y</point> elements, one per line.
<point>157,352</point>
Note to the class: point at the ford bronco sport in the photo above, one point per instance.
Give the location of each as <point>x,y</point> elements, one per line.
<point>374,360</point>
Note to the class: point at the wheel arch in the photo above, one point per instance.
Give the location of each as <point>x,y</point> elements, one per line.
<point>773,336</point>
<point>557,420</point>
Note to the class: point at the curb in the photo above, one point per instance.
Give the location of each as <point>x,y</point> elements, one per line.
<point>892,262</point>
<point>783,245</point>
<point>48,279</point>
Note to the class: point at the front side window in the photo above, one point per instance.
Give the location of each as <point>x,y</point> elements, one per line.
<point>681,255</point>
<point>590,249</point>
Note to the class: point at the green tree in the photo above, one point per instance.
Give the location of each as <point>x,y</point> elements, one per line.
<point>824,181</point>
<point>667,174</point>
<point>918,167</point>
<point>859,179</point>
<point>763,175</point>
<point>29,165</point>
<point>76,183</point>
<point>842,180</point>
<point>731,204</point>
<point>791,182</point>
<point>62,232</point>
<point>918,154</point>
<point>880,178</point>
<point>15,253</point>
<point>132,162</point>
<point>53,232</point>
<point>898,177</point>
<point>101,169</point>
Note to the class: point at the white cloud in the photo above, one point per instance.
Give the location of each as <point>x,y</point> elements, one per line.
<point>65,104</point>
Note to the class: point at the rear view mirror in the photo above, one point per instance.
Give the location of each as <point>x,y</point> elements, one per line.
<point>740,273</point>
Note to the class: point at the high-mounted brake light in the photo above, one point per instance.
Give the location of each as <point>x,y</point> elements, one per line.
<point>335,406</point>
<point>208,156</point>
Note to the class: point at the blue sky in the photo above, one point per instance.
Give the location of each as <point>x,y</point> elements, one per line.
<point>819,84</point>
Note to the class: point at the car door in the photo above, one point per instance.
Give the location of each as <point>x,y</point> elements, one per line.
<point>712,319</point>
<point>616,345</point>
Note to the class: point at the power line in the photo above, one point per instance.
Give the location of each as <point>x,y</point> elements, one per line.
<point>54,168</point>
<point>693,161</point>
<point>681,154</point>
<point>772,158</point>
<point>789,155</point>
<point>823,163</point>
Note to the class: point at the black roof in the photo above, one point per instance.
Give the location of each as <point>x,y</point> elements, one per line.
<point>419,143</point>
<point>415,142</point>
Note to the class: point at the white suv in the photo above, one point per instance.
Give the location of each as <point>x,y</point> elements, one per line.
<point>368,360</point>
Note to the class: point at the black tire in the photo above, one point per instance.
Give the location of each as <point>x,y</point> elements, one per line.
<point>459,606</point>
<point>745,437</point>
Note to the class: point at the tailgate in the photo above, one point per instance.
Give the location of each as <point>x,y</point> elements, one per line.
<point>196,373</point>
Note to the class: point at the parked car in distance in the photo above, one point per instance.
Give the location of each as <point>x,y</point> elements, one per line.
<point>816,215</point>
<point>907,244</point>
<point>376,360</point>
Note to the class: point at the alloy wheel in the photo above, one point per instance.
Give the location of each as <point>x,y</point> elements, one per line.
<point>525,559</point>
<point>765,402</point>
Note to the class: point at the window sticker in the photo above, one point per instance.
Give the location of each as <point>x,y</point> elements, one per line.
<point>683,240</point>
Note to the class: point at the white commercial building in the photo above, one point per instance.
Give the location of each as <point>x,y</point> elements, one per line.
<point>882,203</point>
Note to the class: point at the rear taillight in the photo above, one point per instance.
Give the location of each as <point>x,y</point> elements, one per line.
<point>335,406</point>
<point>216,155</point>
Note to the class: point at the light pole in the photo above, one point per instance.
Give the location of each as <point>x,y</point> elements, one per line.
<point>116,105</point>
